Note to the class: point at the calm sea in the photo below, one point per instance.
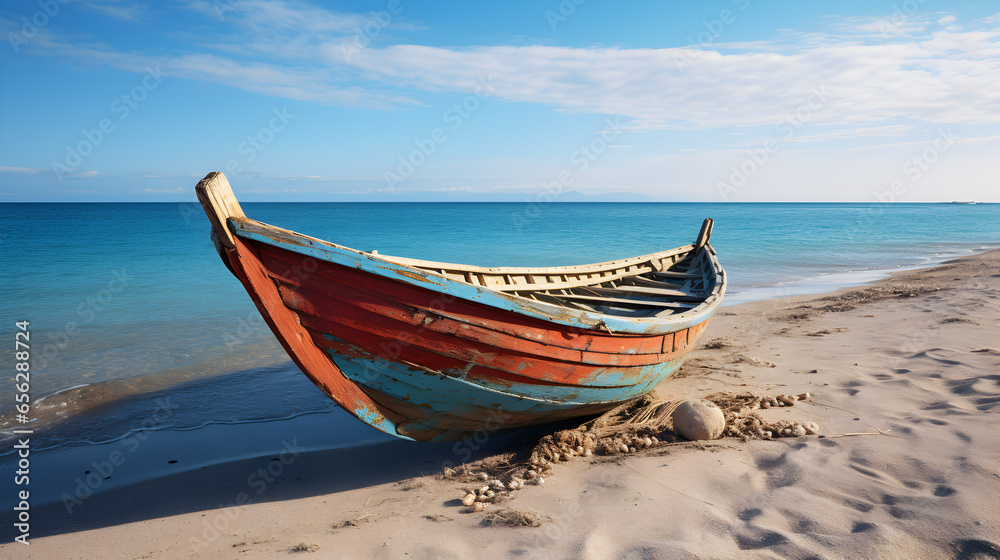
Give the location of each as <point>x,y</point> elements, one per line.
<point>129,303</point>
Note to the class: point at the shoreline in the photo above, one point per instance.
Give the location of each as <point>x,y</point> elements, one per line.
<point>917,367</point>
<point>820,284</point>
<point>826,283</point>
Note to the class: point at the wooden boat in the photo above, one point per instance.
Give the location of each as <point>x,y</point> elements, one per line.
<point>435,351</point>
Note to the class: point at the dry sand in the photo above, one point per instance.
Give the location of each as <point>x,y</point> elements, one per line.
<point>912,359</point>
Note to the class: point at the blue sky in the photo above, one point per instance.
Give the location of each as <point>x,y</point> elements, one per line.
<point>733,100</point>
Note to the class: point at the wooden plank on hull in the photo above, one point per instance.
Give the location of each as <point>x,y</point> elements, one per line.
<point>625,301</point>
<point>672,274</point>
<point>670,295</point>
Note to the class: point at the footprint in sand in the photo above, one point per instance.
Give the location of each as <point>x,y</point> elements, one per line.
<point>780,472</point>
<point>900,513</point>
<point>975,549</point>
<point>986,403</point>
<point>968,386</point>
<point>947,407</point>
<point>862,527</point>
<point>749,514</point>
<point>943,490</point>
<point>929,354</point>
<point>798,523</point>
<point>889,499</point>
<point>863,507</point>
<point>761,538</point>
<point>864,471</point>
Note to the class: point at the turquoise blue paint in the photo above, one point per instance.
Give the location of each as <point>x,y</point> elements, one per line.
<point>375,419</point>
<point>445,396</point>
<point>388,376</point>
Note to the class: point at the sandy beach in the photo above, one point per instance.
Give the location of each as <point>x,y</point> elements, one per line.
<point>905,388</point>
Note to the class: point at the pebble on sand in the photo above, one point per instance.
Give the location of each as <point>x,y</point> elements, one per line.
<point>698,419</point>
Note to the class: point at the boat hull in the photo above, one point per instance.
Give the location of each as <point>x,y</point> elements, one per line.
<point>438,367</point>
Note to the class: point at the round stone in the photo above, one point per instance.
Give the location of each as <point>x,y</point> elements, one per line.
<point>698,419</point>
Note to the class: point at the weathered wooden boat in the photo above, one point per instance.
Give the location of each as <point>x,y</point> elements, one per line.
<point>435,351</point>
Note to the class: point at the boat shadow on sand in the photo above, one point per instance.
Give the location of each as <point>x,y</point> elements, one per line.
<point>217,490</point>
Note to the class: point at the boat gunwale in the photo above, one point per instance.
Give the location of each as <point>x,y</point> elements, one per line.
<point>431,280</point>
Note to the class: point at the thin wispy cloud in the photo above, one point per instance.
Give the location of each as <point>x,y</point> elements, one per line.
<point>126,11</point>
<point>917,70</point>
<point>22,170</point>
<point>891,130</point>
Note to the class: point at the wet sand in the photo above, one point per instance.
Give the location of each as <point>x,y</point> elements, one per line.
<point>905,378</point>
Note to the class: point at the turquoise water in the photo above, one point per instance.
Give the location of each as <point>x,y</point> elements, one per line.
<point>129,303</point>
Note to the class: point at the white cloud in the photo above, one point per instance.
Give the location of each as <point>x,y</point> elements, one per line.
<point>282,191</point>
<point>316,84</point>
<point>858,132</point>
<point>896,25</point>
<point>274,17</point>
<point>82,191</point>
<point>162,191</point>
<point>873,71</point>
<point>115,9</point>
<point>946,77</point>
<point>22,170</point>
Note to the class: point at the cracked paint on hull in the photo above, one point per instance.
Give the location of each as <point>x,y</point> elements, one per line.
<point>409,355</point>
